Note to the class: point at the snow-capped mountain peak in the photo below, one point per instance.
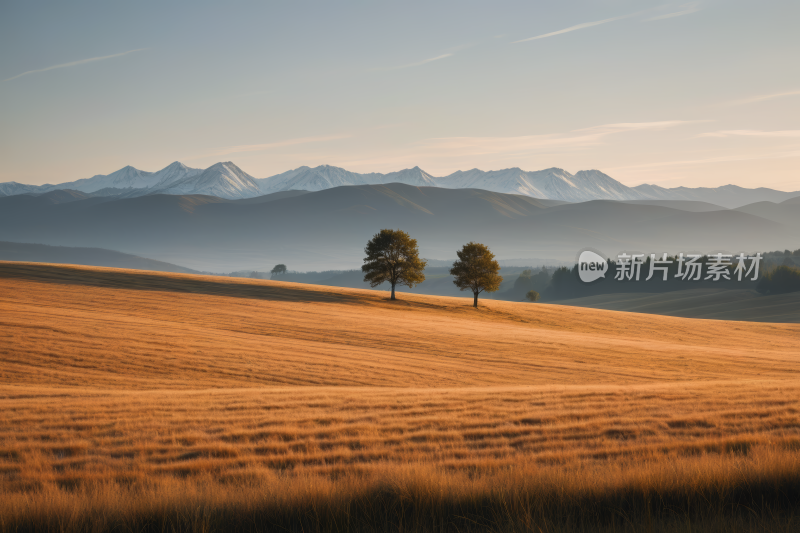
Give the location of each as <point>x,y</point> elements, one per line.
<point>127,177</point>
<point>12,188</point>
<point>314,179</point>
<point>123,178</point>
<point>603,187</point>
<point>175,172</point>
<point>224,180</point>
<point>411,176</point>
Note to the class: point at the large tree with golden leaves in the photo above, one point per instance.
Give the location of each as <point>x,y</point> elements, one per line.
<point>392,256</point>
<point>476,270</point>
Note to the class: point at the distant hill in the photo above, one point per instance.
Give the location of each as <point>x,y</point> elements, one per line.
<point>328,229</point>
<point>683,205</point>
<point>63,196</point>
<point>39,253</point>
<point>718,304</point>
<point>271,197</point>
<point>226,180</point>
<point>787,212</point>
<point>730,196</point>
<point>58,196</point>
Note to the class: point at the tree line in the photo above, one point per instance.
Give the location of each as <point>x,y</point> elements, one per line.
<point>779,274</point>
<point>780,280</point>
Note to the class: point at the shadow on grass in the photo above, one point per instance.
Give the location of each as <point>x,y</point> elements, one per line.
<point>166,282</point>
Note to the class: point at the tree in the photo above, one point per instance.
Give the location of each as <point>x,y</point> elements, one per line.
<point>542,278</point>
<point>523,282</point>
<point>532,296</point>
<point>528,281</point>
<point>476,270</point>
<point>564,282</point>
<point>392,256</point>
<point>278,269</point>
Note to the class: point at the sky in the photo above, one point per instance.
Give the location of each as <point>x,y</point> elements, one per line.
<point>698,94</point>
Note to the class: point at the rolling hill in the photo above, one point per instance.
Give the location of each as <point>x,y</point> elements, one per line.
<point>787,212</point>
<point>683,205</point>
<point>225,326</point>
<point>40,253</point>
<point>729,196</point>
<point>206,403</point>
<point>327,229</point>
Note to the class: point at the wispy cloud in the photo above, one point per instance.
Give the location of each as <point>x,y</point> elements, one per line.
<point>281,144</point>
<point>443,155</point>
<point>73,64</point>
<point>752,133</point>
<point>688,11</point>
<point>417,64</point>
<point>572,28</point>
<point>524,144</point>
<point>622,127</point>
<point>763,97</point>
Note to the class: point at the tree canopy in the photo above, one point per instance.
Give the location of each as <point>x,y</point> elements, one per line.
<point>393,256</point>
<point>476,270</point>
<point>278,269</point>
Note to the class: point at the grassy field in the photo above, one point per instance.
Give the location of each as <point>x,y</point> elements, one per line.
<point>140,401</point>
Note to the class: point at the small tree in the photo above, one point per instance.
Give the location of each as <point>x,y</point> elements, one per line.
<point>523,282</point>
<point>277,270</point>
<point>532,296</point>
<point>476,269</point>
<point>392,256</point>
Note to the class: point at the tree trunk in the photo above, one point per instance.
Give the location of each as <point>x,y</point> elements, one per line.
<point>393,298</point>
<point>476,299</point>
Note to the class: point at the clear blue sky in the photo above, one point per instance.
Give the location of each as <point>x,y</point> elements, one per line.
<point>697,94</point>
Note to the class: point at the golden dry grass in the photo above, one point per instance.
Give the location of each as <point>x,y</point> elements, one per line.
<point>109,328</point>
<point>138,398</point>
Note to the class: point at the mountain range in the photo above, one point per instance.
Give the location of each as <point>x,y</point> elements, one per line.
<point>328,229</point>
<point>227,181</point>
